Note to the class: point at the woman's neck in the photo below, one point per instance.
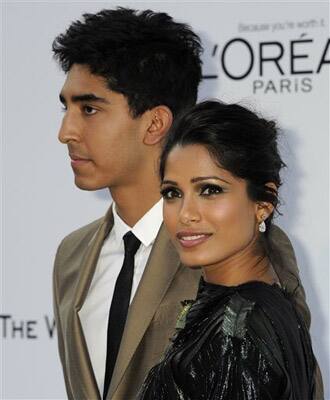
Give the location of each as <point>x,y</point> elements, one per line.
<point>249,264</point>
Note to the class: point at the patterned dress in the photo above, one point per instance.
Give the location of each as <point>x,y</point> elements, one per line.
<point>238,343</point>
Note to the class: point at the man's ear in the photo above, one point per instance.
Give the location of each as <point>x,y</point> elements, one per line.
<point>160,120</point>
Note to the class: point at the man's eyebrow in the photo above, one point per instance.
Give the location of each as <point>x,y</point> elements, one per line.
<point>84,97</point>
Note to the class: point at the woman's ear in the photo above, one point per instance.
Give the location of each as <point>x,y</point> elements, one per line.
<point>160,119</point>
<point>263,208</point>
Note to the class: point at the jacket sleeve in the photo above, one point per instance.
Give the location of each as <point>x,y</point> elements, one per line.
<point>60,337</point>
<point>284,261</point>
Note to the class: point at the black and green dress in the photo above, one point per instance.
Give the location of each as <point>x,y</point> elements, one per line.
<point>239,343</point>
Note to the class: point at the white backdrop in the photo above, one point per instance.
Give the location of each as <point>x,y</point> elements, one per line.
<point>39,203</point>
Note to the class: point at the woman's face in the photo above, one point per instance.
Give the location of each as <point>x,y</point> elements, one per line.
<point>207,211</point>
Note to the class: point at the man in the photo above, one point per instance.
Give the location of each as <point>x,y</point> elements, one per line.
<point>129,74</point>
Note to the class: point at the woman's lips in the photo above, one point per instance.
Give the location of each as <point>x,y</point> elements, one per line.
<point>190,239</point>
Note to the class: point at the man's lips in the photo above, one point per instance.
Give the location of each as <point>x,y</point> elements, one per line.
<point>78,160</point>
<point>190,239</point>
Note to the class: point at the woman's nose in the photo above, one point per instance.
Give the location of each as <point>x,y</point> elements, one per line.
<point>189,212</point>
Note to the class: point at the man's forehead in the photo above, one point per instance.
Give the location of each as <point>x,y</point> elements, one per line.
<point>83,86</point>
<point>80,80</point>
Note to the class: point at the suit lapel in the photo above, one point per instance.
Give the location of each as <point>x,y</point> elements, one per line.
<point>87,386</point>
<point>90,260</point>
<point>159,272</point>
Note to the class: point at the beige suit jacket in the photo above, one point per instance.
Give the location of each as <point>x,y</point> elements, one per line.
<point>152,314</point>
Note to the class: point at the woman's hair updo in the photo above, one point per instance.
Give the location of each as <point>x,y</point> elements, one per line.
<point>238,140</point>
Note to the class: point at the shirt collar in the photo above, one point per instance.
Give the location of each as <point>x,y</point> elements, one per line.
<point>145,229</point>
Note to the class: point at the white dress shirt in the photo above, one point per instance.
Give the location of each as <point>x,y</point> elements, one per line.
<point>94,313</point>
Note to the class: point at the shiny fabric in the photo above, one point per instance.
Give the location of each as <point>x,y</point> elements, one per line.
<point>238,343</point>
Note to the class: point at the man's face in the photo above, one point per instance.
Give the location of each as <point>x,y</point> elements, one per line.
<point>103,139</point>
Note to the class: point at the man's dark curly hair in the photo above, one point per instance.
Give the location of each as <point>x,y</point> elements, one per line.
<point>149,58</point>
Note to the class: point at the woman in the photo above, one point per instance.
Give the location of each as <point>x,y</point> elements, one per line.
<point>242,338</point>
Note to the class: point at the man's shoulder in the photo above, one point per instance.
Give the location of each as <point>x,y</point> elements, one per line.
<point>79,238</point>
<point>83,231</point>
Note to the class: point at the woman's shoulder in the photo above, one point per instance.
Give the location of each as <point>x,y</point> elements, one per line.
<point>257,307</point>
<point>236,314</point>
<point>258,321</point>
<point>250,309</point>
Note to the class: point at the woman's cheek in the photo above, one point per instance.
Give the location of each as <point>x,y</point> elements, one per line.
<point>220,211</point>
<point>170,216</point>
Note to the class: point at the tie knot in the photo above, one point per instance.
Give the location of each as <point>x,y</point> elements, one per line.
<point>131,243</point>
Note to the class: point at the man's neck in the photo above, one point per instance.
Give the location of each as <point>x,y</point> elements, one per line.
<point>132,203</point>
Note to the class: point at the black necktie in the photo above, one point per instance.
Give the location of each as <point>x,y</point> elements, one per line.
<point>119,306</point>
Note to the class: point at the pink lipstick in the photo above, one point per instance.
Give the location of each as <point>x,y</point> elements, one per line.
<point>191,239</point>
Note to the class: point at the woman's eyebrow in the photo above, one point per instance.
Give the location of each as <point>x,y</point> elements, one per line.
<point>195,179</point>
<point>168,182</point>
<point>203,178</point>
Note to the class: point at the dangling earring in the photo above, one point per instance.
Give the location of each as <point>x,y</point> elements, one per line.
<point>262,225</point>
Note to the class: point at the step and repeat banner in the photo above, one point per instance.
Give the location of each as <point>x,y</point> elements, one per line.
<point>271,56</point>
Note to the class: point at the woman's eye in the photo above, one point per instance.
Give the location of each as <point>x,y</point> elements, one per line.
<point>170,193</point>
<point>88,110</point>
<point>209,190</point>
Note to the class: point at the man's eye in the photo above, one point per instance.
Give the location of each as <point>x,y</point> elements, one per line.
<point>88,110</point>
<point>209,190</point>
<point>170,193</point>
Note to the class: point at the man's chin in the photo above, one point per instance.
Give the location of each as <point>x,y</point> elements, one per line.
<point>88,186</point>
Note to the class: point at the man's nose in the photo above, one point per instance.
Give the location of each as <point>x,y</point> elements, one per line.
<point>189,211</point>
<point>70,129</point>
